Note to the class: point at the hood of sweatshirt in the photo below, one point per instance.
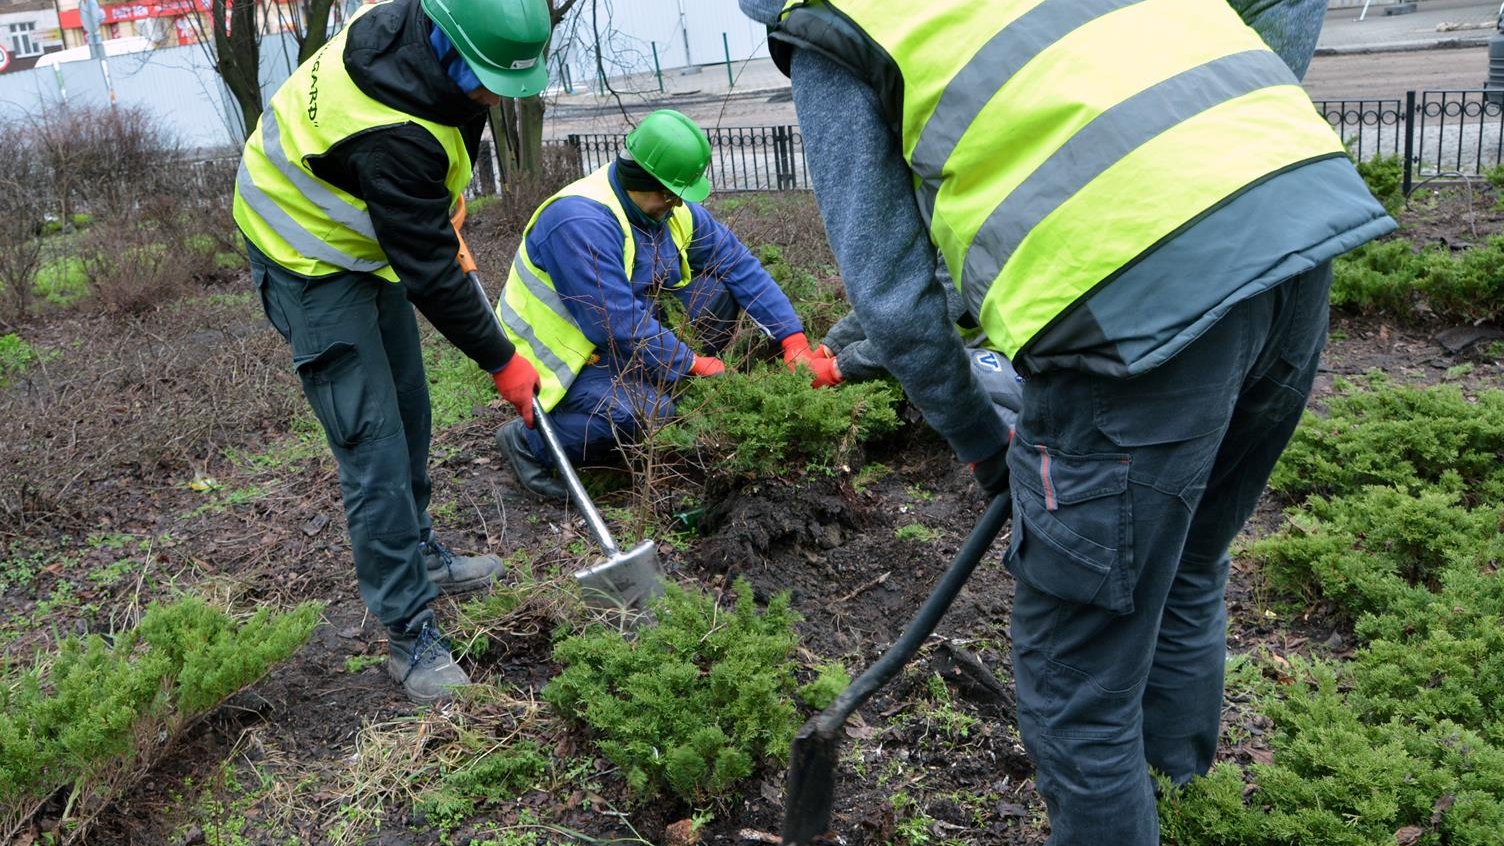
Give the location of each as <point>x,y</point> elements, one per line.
<point>391,60</point>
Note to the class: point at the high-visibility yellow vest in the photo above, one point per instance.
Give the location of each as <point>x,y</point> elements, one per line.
<point>1055,142</point>
<point>298,220</point>
<point>533,313</point>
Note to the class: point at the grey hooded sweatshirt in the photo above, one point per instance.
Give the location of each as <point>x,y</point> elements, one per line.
<point>1284,225</point>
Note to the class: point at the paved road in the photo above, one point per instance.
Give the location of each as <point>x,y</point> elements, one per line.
<point>1392,74</point>
<point>1433,20</point>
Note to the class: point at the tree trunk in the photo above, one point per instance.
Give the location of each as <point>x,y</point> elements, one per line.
<point>238,57</point>
<point>530,134</point>
<point>501,138</point>
<point>318,28</point>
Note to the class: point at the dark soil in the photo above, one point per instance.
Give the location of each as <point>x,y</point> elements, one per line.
<point>833,546</point>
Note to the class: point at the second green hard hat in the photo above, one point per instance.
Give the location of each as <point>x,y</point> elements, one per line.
<point>675,151</point>
<point>501,40</point>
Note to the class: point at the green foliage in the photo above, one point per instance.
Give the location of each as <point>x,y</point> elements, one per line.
<point>499,775</point>
<point>693,701</point>
<point>1392,277</point>
<point>63,281</point>
<point>15,356</point>
<point>917,532</point>
<point>766,420</point>
<point>85,718</point>
<point>456,385</point>
<point>818,303</point>
<point>1384,176</point>
<point>1397,522</point>
<point>1411,438</point>
<point>829,681</point>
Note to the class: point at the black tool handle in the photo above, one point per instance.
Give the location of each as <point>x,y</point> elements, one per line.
<point>939,601</point>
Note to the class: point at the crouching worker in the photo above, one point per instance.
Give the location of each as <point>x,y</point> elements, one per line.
<point>584,301</point>
<point>344,195</point>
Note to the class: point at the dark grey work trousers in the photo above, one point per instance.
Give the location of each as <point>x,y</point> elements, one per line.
<point>1127,494</point>
<point>355,347</point>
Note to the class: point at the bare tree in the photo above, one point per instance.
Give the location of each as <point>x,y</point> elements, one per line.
<point>231,36</point>
<point>517,124</point>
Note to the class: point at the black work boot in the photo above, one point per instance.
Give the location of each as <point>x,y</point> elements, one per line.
<point>418,658</point>
<point>536,477</point>
<point>454,574</point>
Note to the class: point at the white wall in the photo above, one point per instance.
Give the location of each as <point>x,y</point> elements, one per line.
<point>176,86</point>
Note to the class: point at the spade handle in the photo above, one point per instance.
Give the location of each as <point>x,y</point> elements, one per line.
<point>572,481</point>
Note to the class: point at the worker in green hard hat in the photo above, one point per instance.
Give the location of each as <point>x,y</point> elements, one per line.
<point>583,298</point>
<point>344,196</point>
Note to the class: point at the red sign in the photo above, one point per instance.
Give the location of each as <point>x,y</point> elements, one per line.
<point>4,59</point>
<point>137,11</point>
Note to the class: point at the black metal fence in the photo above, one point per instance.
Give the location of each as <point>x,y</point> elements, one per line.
<point>742,158</point>
<point>1435,134</point>
<point>1444,133</point>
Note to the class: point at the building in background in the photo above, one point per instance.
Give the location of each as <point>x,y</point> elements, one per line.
<point>28,29</point>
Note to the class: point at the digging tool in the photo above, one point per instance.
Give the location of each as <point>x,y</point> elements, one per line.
<point>623,580</point>
<point>812,761</point>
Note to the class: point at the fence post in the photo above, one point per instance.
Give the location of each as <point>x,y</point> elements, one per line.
<point>1409,143</point>
<point>579,154</point>
<point>657,70</point>
<point>782,157</point>
<point>726,46</point>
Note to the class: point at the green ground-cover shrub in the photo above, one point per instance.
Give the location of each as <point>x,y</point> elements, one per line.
<point>694,701</point>
<point>88,718</point>
<point>496,775</point>
<point>1396,520</point>
<point>15,356</point>
<point>819,304</point>
<point>766,420</point>
<point>1384,176</point>
<point>1393,278</point>
<point>1412,438</point>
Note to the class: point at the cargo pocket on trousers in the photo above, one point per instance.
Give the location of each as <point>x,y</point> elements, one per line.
<point>336,387</point>
<point>1072,535</point>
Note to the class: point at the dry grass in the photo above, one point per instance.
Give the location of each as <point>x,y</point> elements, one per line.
<point>151,398</point>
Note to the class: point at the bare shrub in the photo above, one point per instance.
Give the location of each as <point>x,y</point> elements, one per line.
<point>503,219</point>
<point>105,160</point>
<point>23,205</point>
<point>135,269</point>
<point>143,402</point>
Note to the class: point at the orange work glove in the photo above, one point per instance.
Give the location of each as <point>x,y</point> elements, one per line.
<point>705,365</point>
<point>517,383</point>
<point>824,352</point>
<point>796,351</point>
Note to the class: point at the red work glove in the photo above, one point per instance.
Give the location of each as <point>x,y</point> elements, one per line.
<point>517,383</point>
<point>824,352</point>
<point>796,351</point>
<point>705,365</point>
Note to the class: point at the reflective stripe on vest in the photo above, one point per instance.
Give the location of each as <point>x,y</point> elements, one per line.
<point>298,220</point>
<point>1054,142</point>
<point>534,314</point>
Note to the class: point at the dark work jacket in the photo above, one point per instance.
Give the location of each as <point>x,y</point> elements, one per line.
<point>399,171</point>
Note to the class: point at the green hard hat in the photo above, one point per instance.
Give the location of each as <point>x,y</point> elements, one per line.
<point>675,151</point>
<point>501,40</point>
